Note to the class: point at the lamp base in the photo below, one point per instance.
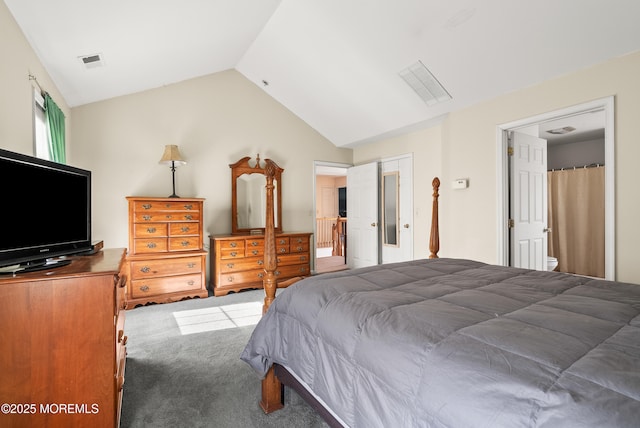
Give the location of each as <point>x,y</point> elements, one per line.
<point>173,196</point>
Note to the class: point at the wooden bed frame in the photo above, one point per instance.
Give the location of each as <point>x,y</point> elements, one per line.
<point>277,376</point>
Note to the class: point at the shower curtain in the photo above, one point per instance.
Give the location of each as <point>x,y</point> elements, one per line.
<point>576,219</point>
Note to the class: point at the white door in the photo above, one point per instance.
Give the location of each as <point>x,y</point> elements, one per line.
<point>362,215</point>
<point>528,202</point>
<point>397,209</point>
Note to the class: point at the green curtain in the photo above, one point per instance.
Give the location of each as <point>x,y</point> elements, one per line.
<point>55,126</point>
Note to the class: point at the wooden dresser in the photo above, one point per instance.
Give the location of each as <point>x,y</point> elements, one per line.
<point>237,260</point>
<point>167,261</point>
<point>63,344</point>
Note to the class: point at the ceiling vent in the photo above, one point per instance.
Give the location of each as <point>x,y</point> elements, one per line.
<point>561,131</point>
<point>92,61</point>
<point>425,84</point>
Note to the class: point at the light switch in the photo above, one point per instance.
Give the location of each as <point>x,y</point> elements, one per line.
<point>460,183</point>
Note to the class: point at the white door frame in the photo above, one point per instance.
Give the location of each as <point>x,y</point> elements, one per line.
<point>606,104</point>
<point>315,232</point>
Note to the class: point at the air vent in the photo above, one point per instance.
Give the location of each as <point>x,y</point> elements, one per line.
<point>560,131</point>
<point>420,79</point>
<point>92,61</point>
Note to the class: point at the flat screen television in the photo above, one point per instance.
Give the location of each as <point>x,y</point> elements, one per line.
<point>45,214</point>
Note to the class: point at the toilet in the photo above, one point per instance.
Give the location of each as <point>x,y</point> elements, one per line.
<point>552,263</point>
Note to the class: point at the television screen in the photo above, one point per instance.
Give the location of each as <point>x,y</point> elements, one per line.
<point>46,211</point>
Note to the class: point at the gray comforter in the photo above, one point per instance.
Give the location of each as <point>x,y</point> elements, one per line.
<point>458,343</point>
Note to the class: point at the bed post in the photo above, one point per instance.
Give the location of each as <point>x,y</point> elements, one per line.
<point>271,386</point>
<point>434,240</point>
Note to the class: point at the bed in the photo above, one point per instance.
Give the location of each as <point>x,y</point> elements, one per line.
<point>453,343</point>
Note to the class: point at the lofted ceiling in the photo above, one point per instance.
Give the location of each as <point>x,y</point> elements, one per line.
<point>333,63</point>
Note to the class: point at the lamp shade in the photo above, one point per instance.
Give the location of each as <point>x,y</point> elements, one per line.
<point>171,156</point>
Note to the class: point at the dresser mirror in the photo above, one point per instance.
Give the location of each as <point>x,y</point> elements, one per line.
<point>248,197</point>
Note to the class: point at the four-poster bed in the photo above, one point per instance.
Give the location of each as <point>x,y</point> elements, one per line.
<point>451,343</point>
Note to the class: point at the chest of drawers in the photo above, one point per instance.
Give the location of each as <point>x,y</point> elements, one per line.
<point>167,261</point>
<point>64,344</point>
<point>237,261</point>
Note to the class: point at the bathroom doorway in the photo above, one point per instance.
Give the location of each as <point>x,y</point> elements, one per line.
<point>557,121</point>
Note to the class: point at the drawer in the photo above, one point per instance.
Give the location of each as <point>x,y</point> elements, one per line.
<point>120,296</point>
<point>254,243</point>
<point>184,243</point>
<point>292,270</point>
<point>293,259</point>
<point>178,266</point>
<point>299,240</point>
<point>158,245</point>
<point>181,229</point>
<point>150,230</point>
<point>299,247</point>
<point>282,241</point>
<point>244,277</point>
<point>141,288</point>
<point>151,217</point>
<point>243,264</point>
<point>254,251</point>
<point>229,253</point>
<point>121,339</point>
<point>232,245</point>
<point>146,206</point>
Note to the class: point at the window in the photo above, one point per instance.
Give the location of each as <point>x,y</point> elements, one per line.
<point>40,139</point>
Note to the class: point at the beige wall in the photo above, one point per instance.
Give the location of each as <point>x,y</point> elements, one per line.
<point>425,145</point>
<point>16,111</point>
<point>464,146</point>
<point>215,120</point>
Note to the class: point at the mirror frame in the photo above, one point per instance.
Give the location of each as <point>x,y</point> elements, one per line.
<point>243,167</point>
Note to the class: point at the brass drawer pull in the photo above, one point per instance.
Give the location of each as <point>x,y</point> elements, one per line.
<point>146,217</point>
<point>230,265</point>
<point>185,229</point>
<point>276,273</point>
<point>145,269</point>
<point>282,250</point>
<point>298,248</point>
<point>260,275</point>
<point>191,282</point>
<point>254,243</point>
<point>255,252</point>
<point>282,241</point>
<point>151,230</point>
<point>303,258</point>
<point>184,243</point>
<point>233,244</point>
<point>144,288</point>
<point>188,207</point>
<point>151,245</point>
<point>260,262</point>
<point>234,253</point>
<point>146,206</point>
<point>188,217</point>
<point>230,279</point>
<point>191,265</point>
<point>168,216</point>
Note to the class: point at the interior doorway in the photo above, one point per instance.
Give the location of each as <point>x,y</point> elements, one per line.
<point>330,228</point>
<point>606,106</point>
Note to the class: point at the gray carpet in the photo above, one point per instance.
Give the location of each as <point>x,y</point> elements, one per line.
<point>197,380</point>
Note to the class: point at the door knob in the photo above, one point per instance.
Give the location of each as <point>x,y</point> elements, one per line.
<point>406,226</point>
<point>373,224</point>
<point>547,230</point>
